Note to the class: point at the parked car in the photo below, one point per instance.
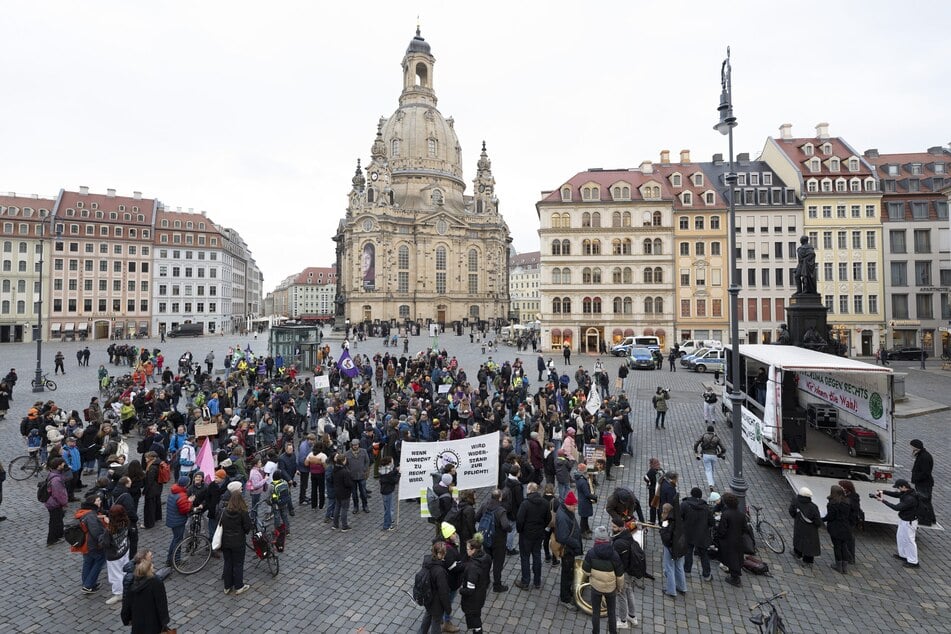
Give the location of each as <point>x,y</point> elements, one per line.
<point>623,349</point>
<point>687,358</point>
<point>907,353</point>
<point>713,359</point>
<point>641,358</point>
<point>691,346</point>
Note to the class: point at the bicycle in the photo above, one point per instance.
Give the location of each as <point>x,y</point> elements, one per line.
<point>262,541</point>
<point>194,551</point>
<point>771,536</point>
<point>26,466</point>
<point>768,622</point>
<point>45,382</point>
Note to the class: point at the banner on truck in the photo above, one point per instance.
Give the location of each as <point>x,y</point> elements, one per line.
<point>850,394</point>
<point>476,460</point>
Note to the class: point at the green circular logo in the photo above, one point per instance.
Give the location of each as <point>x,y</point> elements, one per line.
<point>875,406</point>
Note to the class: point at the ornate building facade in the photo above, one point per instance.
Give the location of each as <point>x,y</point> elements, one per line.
<point>413,245</point>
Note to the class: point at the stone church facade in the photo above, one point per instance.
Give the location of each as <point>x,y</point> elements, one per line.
<point>413,245</point>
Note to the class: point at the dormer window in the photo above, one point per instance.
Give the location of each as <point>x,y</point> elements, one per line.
<point>621,192</point>
<point>698,180</point>
<point>164,223</point>
<point>915,168</point>
<point>826,149</point>
<point>815,165</point>
<point>709,198</point>
<point>840,185</point>
<point>754,179</point>
<point>827,184</point>
<point>812,186</point>
<point>121,207</point>
<point>767,178</point>
<point>834,164</point>
<point>566,194</point>
<point>892,170</point>
<point>741,179</point>
<point>855,185</point>
<point>687,198</point>
<point>590,193</point>
<point>675,180</point>
<point>853,165</point>
<point>939,168</point>
<point>807,149</point>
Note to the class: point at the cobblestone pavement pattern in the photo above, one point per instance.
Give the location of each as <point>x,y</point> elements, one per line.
<point>359,581</point>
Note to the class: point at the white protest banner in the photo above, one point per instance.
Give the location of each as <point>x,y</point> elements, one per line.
<point>322,382</point>
<point>593,403</point>
<point>476,460</point>
<point>444,388</point>
<point>858,395</point>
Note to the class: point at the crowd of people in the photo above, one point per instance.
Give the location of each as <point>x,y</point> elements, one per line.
<point>273,432</point>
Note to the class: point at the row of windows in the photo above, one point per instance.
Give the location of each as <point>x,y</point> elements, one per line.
<point>177,271</point>
<point>20,305</point>
<point>919,210</point>
<point>851,303</point>
<point>619,219</point>
<point>102,303</point>
<point>814,185</point>
<point>842,240</point>
<point>618,247</point>
<point>899,274</point>
<point>90,230</point>
<point>189,239</point>
<point>200,255</point>
<point>199,307</point>
<point>698,308</point>
<point>89,247</point>
<point>649,192</point>
<point>854,211</point>
<point>870,270</point>
<point>117,266</point>
<point>177,224</point>
<point>924,306</point>
<point>619,305</point>
<point>763,196</point>
<point>73,285</point>
<point>768,309</point>
<point>7,285</point>
<point>699,248</point>
<point>186,290</point>
<point>7,266</point>
<point>127,217</point>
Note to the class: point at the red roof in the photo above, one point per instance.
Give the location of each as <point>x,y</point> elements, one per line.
<point>317,276</point>
<point>21,202</point>
<point>109,204</point>
<point>793,149</point>
<point>183,217</point>
<point>687,171</point>
<point>605,179</point>
<point>531,258</point>
<point>904,160</point>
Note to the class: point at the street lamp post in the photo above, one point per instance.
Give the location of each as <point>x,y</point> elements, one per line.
<point>725,126</point>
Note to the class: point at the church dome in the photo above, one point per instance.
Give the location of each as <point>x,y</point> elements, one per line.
<point>419,139</point>
<point>418,44</point>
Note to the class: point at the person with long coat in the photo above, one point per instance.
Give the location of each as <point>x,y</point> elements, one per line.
<point>145,605</point>
<point>475,584</point>
<point>730,531</point>
<point>806,524</point>
<point>837,520</point>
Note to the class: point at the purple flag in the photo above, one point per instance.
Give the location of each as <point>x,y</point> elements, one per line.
<point>346,365</point>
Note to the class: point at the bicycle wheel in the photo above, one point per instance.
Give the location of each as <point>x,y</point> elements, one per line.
<point>23,467</point>
<point>51,385</point>
<point>192,554</point>
<point>774,541</point>
<point>273,563</point>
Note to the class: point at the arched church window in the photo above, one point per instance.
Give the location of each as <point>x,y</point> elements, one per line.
<point>395,147</point>
<point>431,147</point>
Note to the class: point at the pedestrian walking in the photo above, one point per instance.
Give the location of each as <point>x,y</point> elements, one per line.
<point>709,406</point>
<point>605,575</point>
<point>710,449</point>
<point>672,360</point>
<point>907,508</point>
<point>58,363</point>
<point>440,601</point>
<point>145,603</point>
<point>923,481</point>
<point>806,524</point>
<point>566,352</point>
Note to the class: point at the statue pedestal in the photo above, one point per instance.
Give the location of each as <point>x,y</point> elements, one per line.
<point>804,312</point>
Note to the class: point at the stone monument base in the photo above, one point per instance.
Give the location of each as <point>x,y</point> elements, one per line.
<point>806,312</point>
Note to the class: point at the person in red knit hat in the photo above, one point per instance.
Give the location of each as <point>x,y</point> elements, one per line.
<point>568,534</point>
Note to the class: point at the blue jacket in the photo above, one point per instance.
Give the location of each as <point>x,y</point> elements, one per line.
<point>175,505</point>
<point>176,442</point>
<point>585,498</point>
<point>71,456</point>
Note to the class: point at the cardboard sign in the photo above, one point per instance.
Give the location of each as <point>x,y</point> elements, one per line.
<point>206,429</point>
<point>444,388</point>
<point>322,382</point>
<point>595,457</point>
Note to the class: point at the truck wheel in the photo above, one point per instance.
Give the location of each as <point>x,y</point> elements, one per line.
<point>852,451</point>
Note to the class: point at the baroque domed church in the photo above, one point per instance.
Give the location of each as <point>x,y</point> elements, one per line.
<point>413,245</point>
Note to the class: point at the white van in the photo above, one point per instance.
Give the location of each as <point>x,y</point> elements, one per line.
<point>623,349</point>
<point>692,345</point>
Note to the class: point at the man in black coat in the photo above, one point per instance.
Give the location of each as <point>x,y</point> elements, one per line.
<point>698,519</point>
<point>502,526</point>
<point>532,519</point>
<point>512,501</point>
<point>730,537</point>
<point>923,481</point>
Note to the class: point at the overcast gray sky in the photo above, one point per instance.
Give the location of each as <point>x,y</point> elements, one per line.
<point>257,111</point>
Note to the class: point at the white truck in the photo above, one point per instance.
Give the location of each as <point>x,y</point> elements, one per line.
<point>819,417</point>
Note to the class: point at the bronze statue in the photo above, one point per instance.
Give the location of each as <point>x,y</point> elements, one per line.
<point>806,267</point>
<point>784,338</point>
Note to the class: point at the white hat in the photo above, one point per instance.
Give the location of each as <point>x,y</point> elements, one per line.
<point>234,487</point>
<point>805,492</point>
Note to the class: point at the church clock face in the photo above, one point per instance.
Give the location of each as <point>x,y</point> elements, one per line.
<point>442,227</point>
<point>374,176</point>
<point>482,188</point>
<point>367,224</point>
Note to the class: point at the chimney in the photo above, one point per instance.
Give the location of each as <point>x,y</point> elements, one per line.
<point>718,158</point>
<point>743,158</point>
<point>684,156</point>
<point>647,167</point>
<point>37,196</point>
<point>137,195</point>
<point>785,131</point>
<point>665,157</point>
<point>83,190</point>
<point>204,213</point>
<point>937,150</point>
<point>822,130</point>
<point>111,193</point>
<point>191,210</point>
<point>178,209</point>
<point>871,153</point>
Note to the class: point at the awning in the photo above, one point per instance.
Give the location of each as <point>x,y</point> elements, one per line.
<point>648,332</point>
<point>55,328</point>
<point>556,332</point>
<point>83,326</point>
<point>69,326</point>
<point>628,332</point>
<point>660,332</point>
<point>566,333</point>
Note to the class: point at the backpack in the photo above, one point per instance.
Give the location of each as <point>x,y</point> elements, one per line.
<point>454,516</point>
<point>486,526</point>
<point>423,587</point>
<point>164,473</point>
<point>43,492</point>
<point>75,535</point>
<point>636,561</point>
<point>432,502</point>
<point>280,493</point>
